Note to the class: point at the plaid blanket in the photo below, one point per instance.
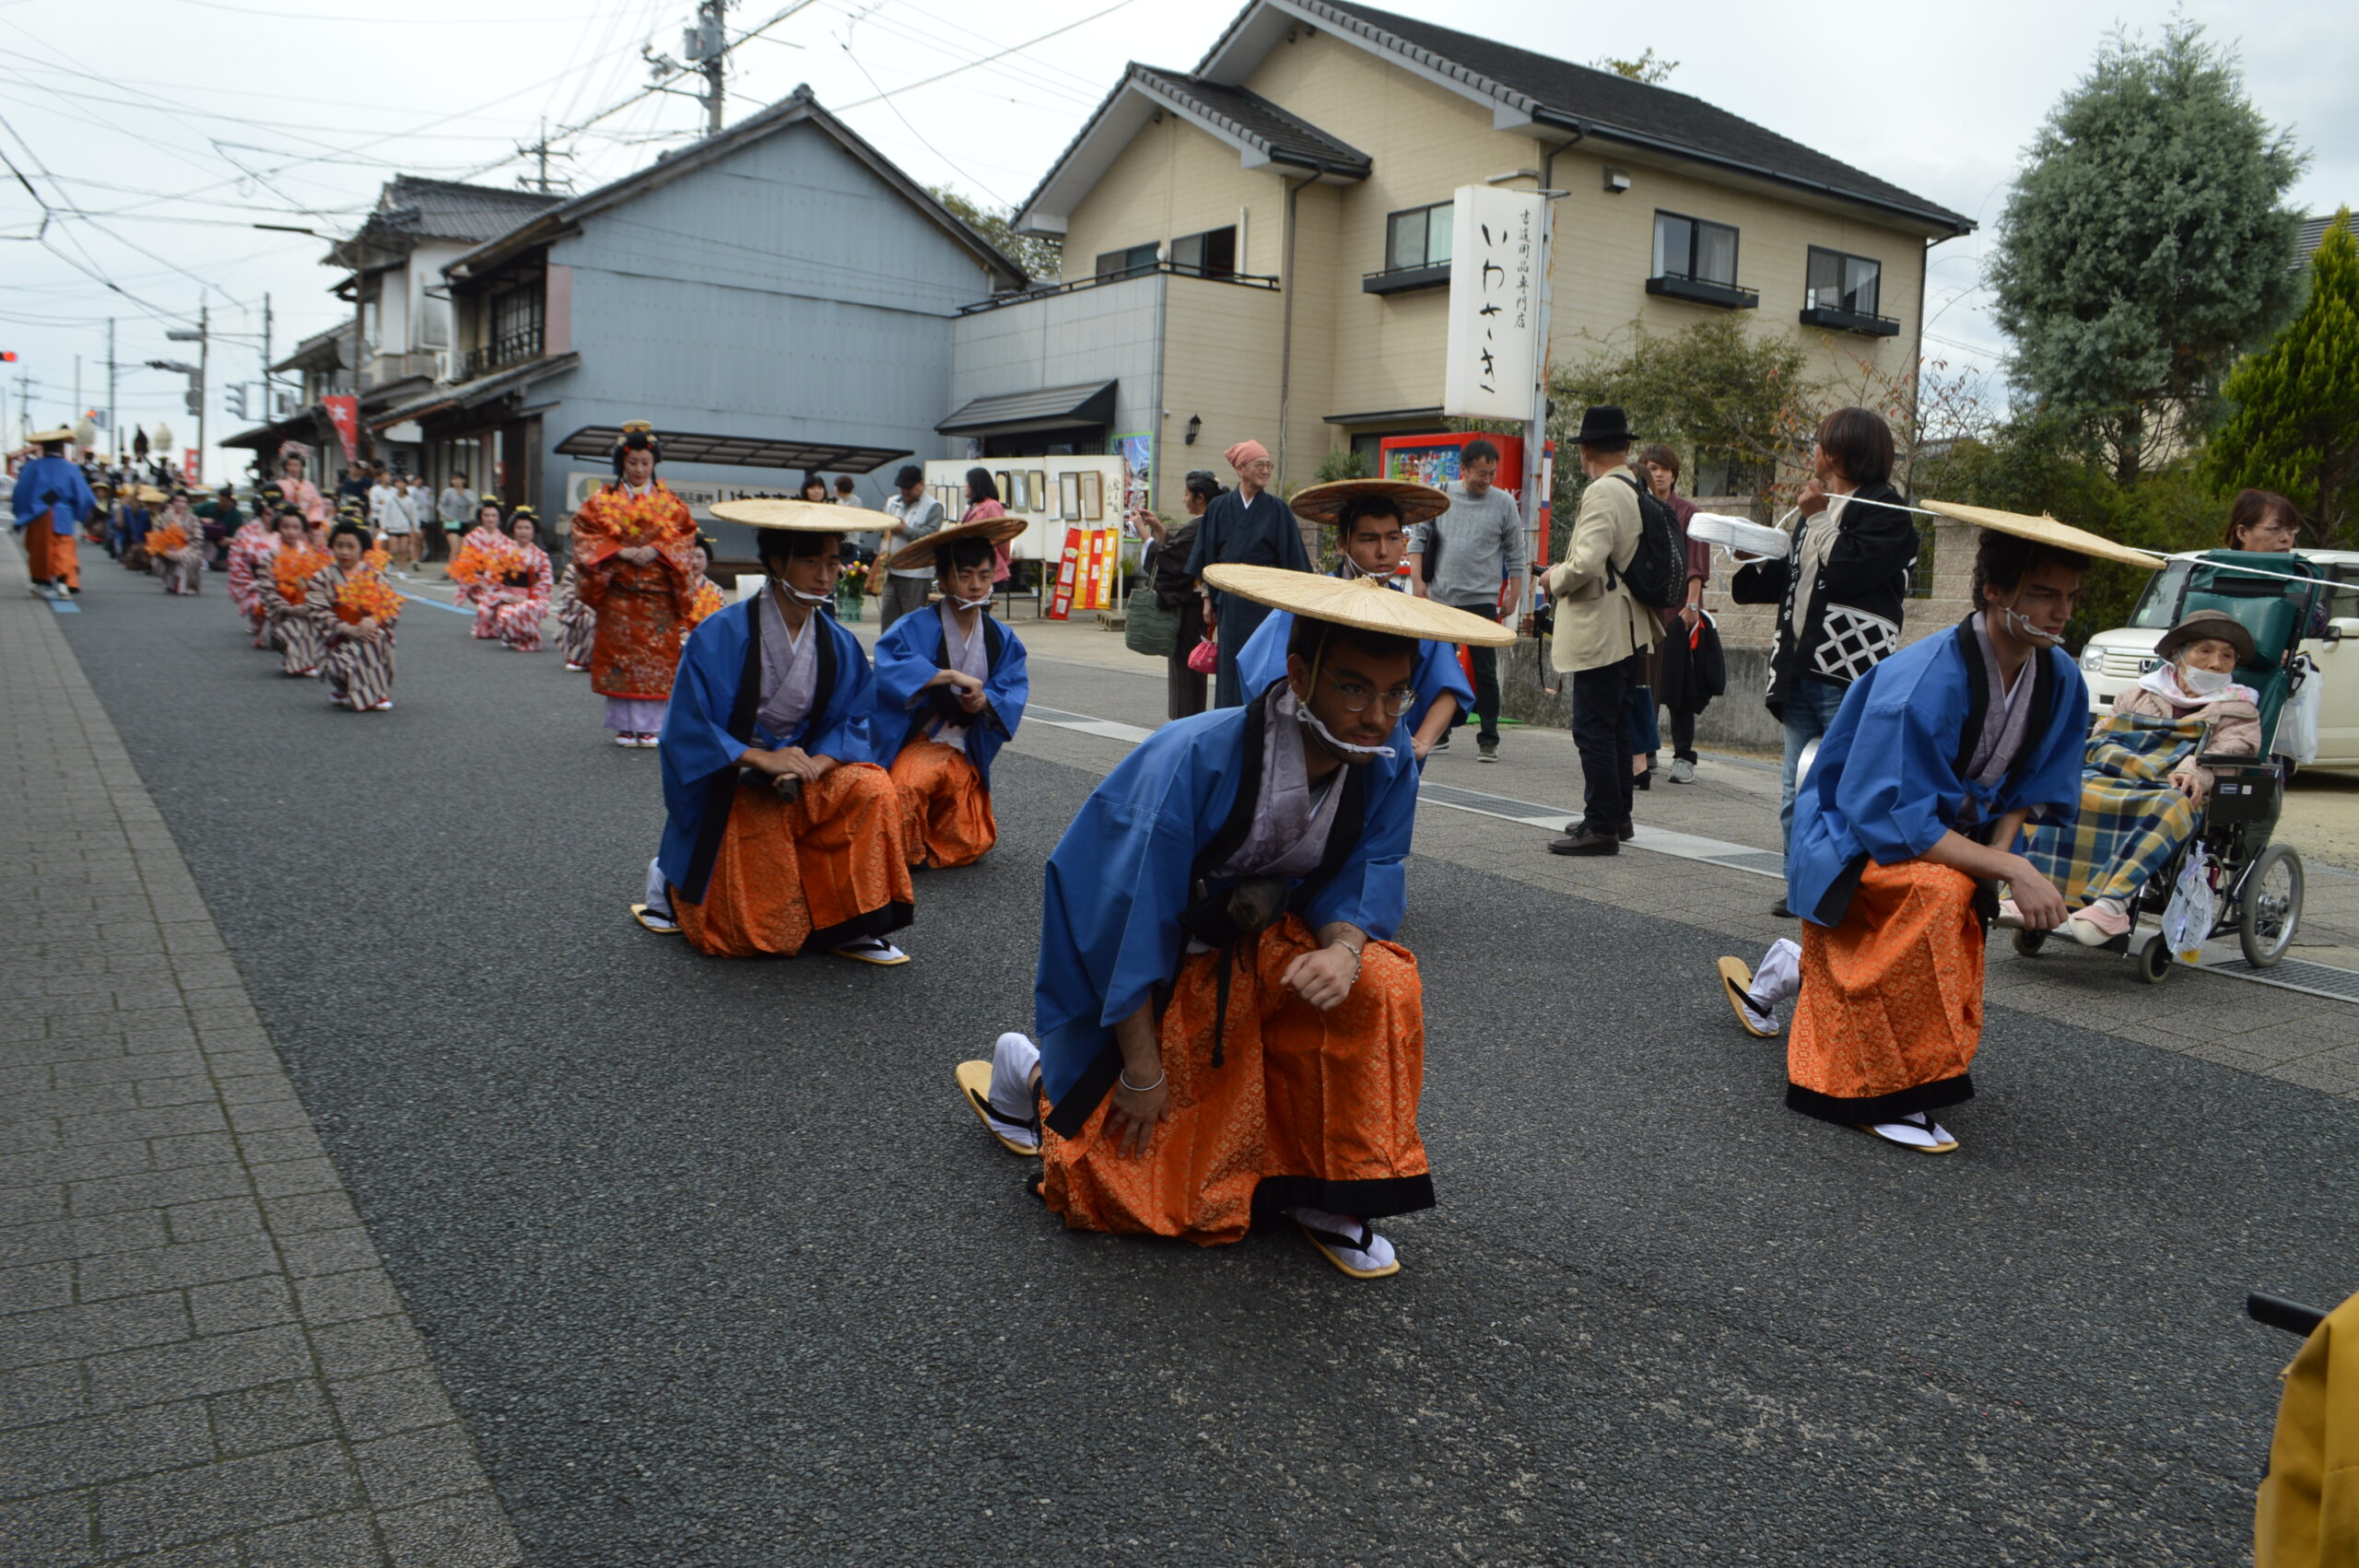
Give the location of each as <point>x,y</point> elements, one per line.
<point>2131,820</point>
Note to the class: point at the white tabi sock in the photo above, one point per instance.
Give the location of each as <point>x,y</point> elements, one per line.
<point>659,896</point>
<point>1778,979</point>
<point>1013,1057</point>
<point>1340,1235</point>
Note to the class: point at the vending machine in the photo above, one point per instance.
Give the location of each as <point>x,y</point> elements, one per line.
<point>1433,459</point>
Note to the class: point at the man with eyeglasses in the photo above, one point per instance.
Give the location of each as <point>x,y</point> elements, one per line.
<point>1372,518</point>
<point>1222,1013</point>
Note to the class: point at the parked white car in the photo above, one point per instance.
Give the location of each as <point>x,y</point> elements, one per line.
<point>2114,660</point>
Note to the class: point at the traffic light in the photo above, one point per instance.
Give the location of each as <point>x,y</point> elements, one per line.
<point>235,396</point>
<point>7,356</point>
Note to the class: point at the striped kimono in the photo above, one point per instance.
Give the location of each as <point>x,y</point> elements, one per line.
<point>473,596</point>
<point>577,623</point>
<point>517,607</point>
<point>360,671</point>
<point>249,551</point>
<point>287,623</point>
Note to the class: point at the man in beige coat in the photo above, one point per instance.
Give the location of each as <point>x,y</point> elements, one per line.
<point>1603,634</point>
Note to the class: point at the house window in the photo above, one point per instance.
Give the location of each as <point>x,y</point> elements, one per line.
<point>1838,282</point>
<point>1693,249</point>
<point>1211,253</point>
<point>1132,262</point>
<point>518,316</point>
<point>1417,237</point>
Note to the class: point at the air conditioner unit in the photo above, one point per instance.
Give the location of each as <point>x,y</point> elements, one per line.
<point>446,364</point>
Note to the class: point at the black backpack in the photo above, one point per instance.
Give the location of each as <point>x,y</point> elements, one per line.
<point>1657,575</point>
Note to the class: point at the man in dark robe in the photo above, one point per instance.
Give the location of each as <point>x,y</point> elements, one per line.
<point>1247,527</point>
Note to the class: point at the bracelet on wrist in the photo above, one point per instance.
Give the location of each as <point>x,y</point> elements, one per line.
<point>1124,1077</point>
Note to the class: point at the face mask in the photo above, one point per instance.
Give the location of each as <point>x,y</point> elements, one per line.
<point>799,596</point>
<point>957,603</point>
<point>2202,682</point>
<point>2022,629</point>
<point>1304,716</point>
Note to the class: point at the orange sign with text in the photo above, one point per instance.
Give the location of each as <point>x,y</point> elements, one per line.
<point>1086,572</point>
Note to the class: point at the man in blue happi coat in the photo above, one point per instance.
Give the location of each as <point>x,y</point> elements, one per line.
<point>51,501</point>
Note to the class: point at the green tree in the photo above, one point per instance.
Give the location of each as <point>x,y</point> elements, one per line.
<point>1711,387</point>
<point>2145,245</point>
<point>1645,68</point>
<point>1043,258</point>
<point>2294,419</point>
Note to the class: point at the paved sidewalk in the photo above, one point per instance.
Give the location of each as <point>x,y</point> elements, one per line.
<point>201,1363</point>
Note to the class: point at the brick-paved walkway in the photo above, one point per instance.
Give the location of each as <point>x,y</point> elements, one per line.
<point>201,1363</point>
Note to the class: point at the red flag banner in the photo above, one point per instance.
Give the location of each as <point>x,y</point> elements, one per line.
<point>344,412</point>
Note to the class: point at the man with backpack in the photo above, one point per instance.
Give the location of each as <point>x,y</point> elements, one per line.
<point>1618,562</point>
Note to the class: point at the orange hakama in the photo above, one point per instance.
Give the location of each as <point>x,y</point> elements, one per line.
<point>828,867</point>
<point>37,536</point>
<point>1306,1109</point>
<point>1891,1005</point>
<point>950,820</point>
<point>64,562</point>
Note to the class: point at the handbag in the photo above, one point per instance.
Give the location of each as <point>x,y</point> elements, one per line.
<point>1148,627</point>
<point>1204,657</point>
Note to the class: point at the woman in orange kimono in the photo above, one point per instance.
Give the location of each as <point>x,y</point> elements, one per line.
<point>249,551</point>
<point>482,554</point>
<point>522,598</point>
<point>631,548</point>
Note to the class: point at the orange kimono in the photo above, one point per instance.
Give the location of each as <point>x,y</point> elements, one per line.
<point>642,610</point>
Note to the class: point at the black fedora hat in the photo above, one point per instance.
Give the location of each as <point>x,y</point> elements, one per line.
<point>1604,426</point>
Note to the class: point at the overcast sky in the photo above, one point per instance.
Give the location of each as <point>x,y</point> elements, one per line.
<point>158,132</point>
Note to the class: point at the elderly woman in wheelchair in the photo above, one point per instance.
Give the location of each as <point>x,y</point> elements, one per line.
<point>2142,789</point>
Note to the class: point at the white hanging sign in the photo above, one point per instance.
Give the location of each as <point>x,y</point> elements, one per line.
<point>1494,353</point>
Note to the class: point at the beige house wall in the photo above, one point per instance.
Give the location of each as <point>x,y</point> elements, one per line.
<point>1354,352</point>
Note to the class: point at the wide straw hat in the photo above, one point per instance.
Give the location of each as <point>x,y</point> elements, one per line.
<point>1363,602</point>
<point>2046,531</point>
<point>788,515</point>
<point>152,495</point>
<point>2198,625</point>
<point>43,438</point>
<point>921,552</point>
<point>1324,503</point>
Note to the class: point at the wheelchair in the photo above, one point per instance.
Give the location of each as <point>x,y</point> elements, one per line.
<point>2257,884</point>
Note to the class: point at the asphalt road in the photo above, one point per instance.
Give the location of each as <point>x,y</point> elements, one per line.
<point>720,1272</point>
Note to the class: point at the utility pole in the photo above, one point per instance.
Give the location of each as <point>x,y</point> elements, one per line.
<point>707,47</point>
<point>114,431</point>
<point>269,403</point>
<point>541,152</point>
<point>203,360</point>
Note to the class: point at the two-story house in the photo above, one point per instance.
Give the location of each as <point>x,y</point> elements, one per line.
<point>1261,246</point>
<point>775,298</point>
<point>392,266</point>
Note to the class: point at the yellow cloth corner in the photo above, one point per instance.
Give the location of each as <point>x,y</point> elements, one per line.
<point>2308,1515</point>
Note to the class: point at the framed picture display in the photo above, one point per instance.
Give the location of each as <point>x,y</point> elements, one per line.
<point>1069,497</point>
<point>1093,495</point>
<point>1023,502</point>
<point>1001,479</point>
<point>1036,486</point>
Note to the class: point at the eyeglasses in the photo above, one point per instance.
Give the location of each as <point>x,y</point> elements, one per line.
<point>1356,698</point>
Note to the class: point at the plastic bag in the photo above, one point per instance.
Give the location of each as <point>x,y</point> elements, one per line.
<point>2297,723</point>
<point>2188,920</point>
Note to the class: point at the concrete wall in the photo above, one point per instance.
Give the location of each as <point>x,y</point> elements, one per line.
<point>1092,335</point>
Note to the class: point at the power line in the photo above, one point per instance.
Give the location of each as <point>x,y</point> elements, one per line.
<point>971,64</point>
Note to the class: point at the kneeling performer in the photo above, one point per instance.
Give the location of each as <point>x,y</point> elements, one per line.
<point>780,832</point>
<point>950,689</point>
<point>1224,1018</point>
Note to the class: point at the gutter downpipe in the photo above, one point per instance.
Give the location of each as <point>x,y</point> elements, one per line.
<point>1285,333</point>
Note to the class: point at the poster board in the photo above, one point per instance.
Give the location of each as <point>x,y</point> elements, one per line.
<point>1046,483</point>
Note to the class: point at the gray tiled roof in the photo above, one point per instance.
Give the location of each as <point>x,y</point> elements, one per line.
<point>410,209</point>
<point>2313,229</point>
<point>1284,137</point>
<point>1606,104</point>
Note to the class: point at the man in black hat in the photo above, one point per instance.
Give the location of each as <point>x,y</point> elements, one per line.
<point>1603,634</point>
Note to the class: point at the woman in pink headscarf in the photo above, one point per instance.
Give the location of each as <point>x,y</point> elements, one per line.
<point>1247,526</point>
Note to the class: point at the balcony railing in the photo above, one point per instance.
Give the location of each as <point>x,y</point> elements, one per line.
<point>511,347</point>
<point>1835,317</point>
<point>1702,291</point>
<point>1402,280</point>
<point>1172,269</point>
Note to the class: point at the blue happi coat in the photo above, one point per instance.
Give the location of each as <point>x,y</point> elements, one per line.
<point>1890,775</point>
<point>1263,660</point>
<point>710,723</point>
<point>52,476</point>
<point>1114,889</point>
<point>917,649</point>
